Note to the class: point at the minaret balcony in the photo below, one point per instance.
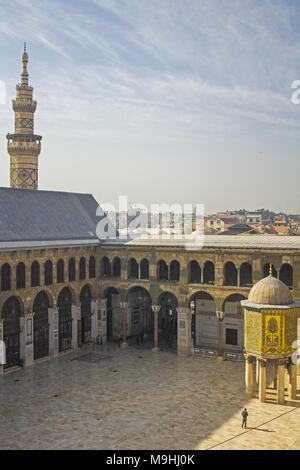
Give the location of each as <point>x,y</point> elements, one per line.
<point>22,144</point>
<point>26,105</point>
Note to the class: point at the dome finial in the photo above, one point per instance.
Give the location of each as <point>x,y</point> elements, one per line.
<point>271,270</point>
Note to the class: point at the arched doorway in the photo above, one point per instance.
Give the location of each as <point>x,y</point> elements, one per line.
<point>41,325</point>
<point>204,320</point>
<point>168,320</point>
<point>11,313</point>
<point>230,274</point>
<point>110,294</point>
<point>286,275</point>
<point>246,275</point>
<point>209,273</point>
<point>85,329</point>
<point>64,304</point>
<point>140,312</point>
<point>194,272</point>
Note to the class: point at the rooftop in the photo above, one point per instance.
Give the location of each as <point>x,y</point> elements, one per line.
<point>29,218</point>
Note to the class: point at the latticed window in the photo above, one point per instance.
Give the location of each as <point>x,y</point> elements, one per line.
<point>21,276</point>
<point>60,271</point>
<point>35,274</point>
<point>48,273</point>
<point>82,273</point>
<point>5,277</point>
<point>72,269</point>
<point>92,267</point>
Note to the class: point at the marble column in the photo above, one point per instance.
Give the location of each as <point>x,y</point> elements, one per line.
<point>94,310</point>
<point>124,308</point>
<point>275,374</point>
<point>281,382</point>
<point>220,316</point>
<point>53,332</point>
<point>28,340</point>
<point>184,331</point>
<point>257,371</point>
<point>76,315</point>
<point>262,381</point>
<point>249,375</point>
<point>293,381</point>
<point>156,309</point>
<point>2,349</point>
<point>102,320</point>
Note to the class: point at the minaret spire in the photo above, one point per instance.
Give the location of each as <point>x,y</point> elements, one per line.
<point>24,74</point>
<point>24,146</point>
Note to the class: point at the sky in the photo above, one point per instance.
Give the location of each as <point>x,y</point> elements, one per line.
<point>164,101</point>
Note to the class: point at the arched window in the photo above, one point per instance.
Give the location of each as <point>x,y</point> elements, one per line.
<point>246,275</point>
<point>163,271</point>
<point>133,269</point>
<point>209,273</point>
<point>230,274</point>
<point>21,276</point>
<point>286,274</point>
<point>144,269</point>
<point>106,267</point>
<point>48,273</point>
<point>117,267</point>
<point>174,271</point>
<point>72,271</point>
<point>267,270</point>
<point>5,277</point>
<point>195,272</point>
<point>35,274</point>
<point>60,271</point>
<point>92,267</point>
<point>82,273</point>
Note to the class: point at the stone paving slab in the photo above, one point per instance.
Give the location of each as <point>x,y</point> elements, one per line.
<point>138,400</point>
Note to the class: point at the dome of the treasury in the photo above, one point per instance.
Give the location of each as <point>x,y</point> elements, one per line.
<point>270,291</point>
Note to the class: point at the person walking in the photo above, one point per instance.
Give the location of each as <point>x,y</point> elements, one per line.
<point>245,416</point>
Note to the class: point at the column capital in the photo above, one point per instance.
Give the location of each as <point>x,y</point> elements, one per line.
<point>249,358</point>
<point>123,305</point>
<point>156,308</point>
<point>29,315</point>
<point>262,362</point>
<point>282,362</point>
<point>220,315</point>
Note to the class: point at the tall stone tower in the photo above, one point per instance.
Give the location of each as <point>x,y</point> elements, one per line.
<point>24,146</point>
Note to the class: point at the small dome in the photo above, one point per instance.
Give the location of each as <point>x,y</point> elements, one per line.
<point>270,291</point>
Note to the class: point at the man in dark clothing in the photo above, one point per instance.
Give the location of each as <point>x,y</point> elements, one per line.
<point>244,415</point>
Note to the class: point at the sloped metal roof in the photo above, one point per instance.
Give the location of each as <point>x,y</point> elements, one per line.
<point>44,216</point>
<point>266,242</point>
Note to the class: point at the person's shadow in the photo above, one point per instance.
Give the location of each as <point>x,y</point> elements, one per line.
<point>257,429</point>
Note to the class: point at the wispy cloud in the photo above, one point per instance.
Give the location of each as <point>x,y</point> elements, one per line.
<point>175,71</point>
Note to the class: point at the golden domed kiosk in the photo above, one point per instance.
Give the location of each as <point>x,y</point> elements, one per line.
<point>270,322</point>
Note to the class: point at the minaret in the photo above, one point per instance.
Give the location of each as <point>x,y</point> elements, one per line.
<point>24,146</point>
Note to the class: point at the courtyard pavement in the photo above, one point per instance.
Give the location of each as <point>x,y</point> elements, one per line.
<point>115,399</point>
